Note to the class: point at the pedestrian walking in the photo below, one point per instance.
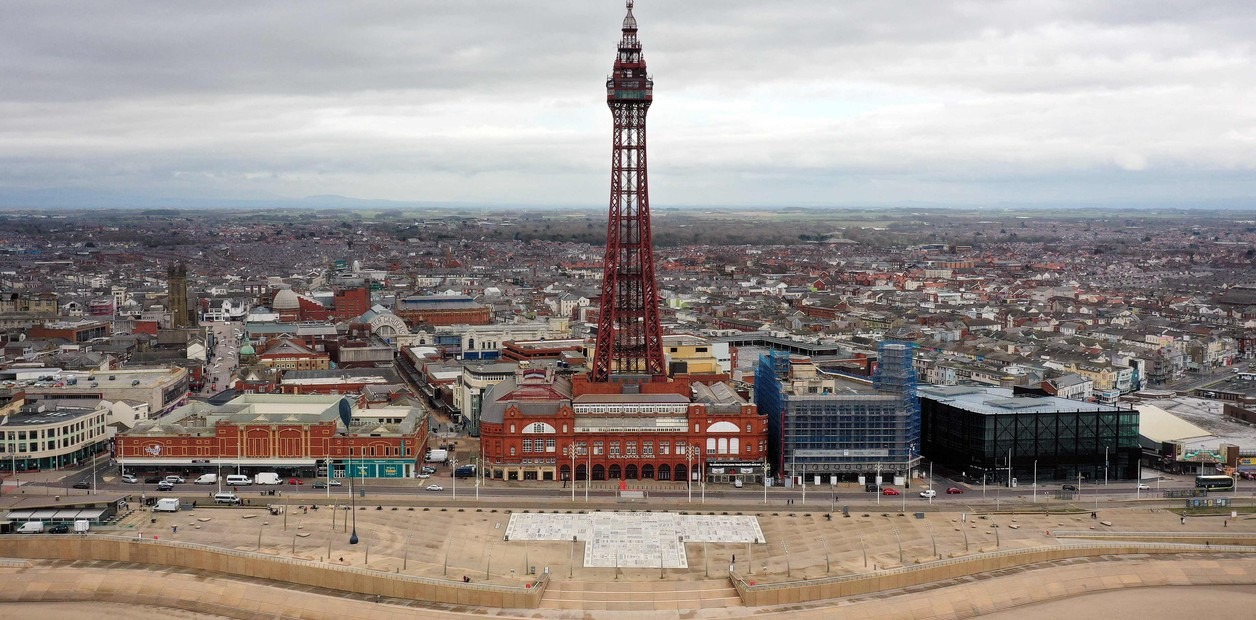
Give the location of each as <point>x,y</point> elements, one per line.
<point>174,529</point>
<point>1183,520</point>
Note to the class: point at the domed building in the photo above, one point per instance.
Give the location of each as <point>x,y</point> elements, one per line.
<point>287,304</point>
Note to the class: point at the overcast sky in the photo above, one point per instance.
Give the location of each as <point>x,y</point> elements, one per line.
<point>763,102</point>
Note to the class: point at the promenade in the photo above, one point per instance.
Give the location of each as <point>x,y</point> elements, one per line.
<point>454,542</point>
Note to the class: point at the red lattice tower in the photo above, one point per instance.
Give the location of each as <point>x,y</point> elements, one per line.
<point>629,336</point>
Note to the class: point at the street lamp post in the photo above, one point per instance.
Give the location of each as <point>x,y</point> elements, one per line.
<point>703,481</point>
<point>1105,464</point>
<point>689,476</point>
<point>878,484</point>
<point>766,469</point>
<point>572,473</point>
<point>353,502</point>
<point>454,472</point>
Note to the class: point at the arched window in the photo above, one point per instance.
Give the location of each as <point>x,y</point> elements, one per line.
<point>614,472</point>
<point>682,473</point>
<point>647,472</point>
<point>599,472</point>
<point>734,445</point>
<point>630,472</point>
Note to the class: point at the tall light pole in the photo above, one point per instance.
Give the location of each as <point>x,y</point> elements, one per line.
<point>572,474</point>
<point>1035,481</point>
<point>703,482</point>
<point>454,472</point>
<point>1105,465</point>
<point>931,483</point>
<point>353,503</point>
<point>689,482</point>
<point>765,486</point>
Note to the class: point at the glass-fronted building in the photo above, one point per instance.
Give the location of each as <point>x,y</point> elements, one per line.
<point>994,434</point>
<point>824,427</point>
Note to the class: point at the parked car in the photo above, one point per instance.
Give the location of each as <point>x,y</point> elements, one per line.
<point>928,493</point>
<point>82,484</point>
<point>152,479</point>
<point>129,479</point>
<point>890,491</point>
<point>435,487</point>
<point>954,491</point>
<point>165,486</point>
<point>295,481</point>
<point>173,479</point>
<point>1069,487</point>
<point>60,528</point>
<point>321,484</point>
<point>425,475</point>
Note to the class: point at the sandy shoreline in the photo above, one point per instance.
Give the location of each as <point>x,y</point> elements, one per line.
<point>1156,602</point>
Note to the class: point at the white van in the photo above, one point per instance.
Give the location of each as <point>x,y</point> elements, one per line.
<point>239,480</point>
<point>31,527</point>
<point>207,479</point>
<point>267,477</point>
<point>226,498</point>
<point>167,504</point>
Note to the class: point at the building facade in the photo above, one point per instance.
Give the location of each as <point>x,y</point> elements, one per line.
<point>825,428</point>
<point>442,310</point>
<point>292,435</point>
<point>538,426</point>
<point>36,436</point>
<point>992,434</point>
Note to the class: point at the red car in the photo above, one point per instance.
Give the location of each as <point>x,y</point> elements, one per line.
<point>295,481</point>
<point>890,491</point>
<point>954,491</point>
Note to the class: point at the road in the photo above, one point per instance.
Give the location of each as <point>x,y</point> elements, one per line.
<point>223,358</point>
<point>817,497</point>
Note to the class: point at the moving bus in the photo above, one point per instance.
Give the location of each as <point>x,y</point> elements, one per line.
<point>1215,483</point>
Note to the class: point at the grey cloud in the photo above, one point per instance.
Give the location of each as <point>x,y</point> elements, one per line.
<point>808,100</point>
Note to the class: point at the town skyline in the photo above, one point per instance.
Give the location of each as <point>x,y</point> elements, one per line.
<point>811,105</point>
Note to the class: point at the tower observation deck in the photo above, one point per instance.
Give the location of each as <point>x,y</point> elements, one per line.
<point>629,335</point>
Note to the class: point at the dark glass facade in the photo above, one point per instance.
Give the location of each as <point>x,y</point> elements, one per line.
<point>984,432</point>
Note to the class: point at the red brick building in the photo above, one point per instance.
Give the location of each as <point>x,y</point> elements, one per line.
<point>538,426</point>
<point>442,310</point>
<point>346,304</point>
<point>293,435</point>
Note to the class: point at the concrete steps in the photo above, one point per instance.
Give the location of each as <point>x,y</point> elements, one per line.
<point>660,595</point>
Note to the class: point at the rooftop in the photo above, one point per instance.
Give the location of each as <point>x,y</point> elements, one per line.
<point>32,416</point>
<point>995,401</point>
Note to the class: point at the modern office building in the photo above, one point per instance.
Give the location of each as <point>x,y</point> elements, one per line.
<point>999,436</point>
<point>38,436</point>
<point>825,427</point>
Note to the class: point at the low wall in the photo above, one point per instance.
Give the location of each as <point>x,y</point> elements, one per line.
<point>260,566</point>
<point>791,592</point>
